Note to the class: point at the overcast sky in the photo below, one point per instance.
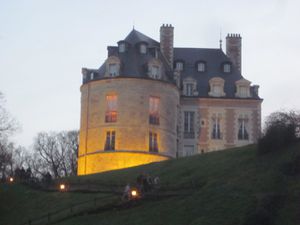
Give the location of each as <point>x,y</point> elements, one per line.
<point>45,43</point>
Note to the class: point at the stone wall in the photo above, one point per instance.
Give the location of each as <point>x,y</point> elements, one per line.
<point>132,126</point>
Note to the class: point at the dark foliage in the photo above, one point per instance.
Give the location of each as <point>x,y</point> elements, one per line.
<point>292,168</point>
<point>281,130</point>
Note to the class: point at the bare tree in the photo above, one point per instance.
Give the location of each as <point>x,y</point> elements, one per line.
<point>8,124</point>
<point>57,152</point>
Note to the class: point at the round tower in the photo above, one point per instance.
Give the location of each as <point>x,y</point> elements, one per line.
<point>128,108</point>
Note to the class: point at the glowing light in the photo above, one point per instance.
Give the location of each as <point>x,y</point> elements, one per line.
<point>62,187</point>
<point>134,193</point>
<point>11,179</point>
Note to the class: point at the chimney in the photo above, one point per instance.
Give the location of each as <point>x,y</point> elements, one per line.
<point>234,50</point>
<point>166,42</point>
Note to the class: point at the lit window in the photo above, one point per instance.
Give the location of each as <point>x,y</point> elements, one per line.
<point>153,146</point>
<point>226,68</point>
<point>113,69</point>
<point>111,108</point>
<point>216,132</point>
<point>154,72</point>
<point>143,49</point>
<point>110,140</point>
<point>179,66</point>
<point>154,110</point>
<point>122,47</point>
<point>189,131</point>
<point>243,133</point>
<point>201,67</point>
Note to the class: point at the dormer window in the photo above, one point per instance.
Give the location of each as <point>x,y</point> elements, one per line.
<point>112,66</point>
<point>143,48</point>
<point>242,88</point>
<point>179,66</point>
<point>155,69</point>
<point>216,87</point>
<point>113,69</point>
<point>227,68</point>
<point>122,47</point>
<point>154,73</point>
<point>201,66</point>
<point>92,75</point>
<point>190,87</point>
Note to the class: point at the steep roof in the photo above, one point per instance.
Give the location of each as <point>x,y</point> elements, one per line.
<point>214,59</point>
<point>135,37</point>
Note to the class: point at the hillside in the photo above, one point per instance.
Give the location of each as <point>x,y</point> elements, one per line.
<point>232,187</point>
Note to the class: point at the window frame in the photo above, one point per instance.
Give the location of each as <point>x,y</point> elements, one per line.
<point>110,141</point>
<point>111,113</point>
<point>153,142</point>
<point>154,107</point>
<point>189,124</point>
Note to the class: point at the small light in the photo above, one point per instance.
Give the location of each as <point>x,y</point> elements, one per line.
<point>134,193</point>
<point>11,179</point>
<point>62,187</point>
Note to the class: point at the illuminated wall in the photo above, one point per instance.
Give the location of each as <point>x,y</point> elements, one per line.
<point>105,161</point>
<point>132,126</point>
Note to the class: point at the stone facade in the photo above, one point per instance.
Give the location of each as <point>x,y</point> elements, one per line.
<point>150,102</point>
<point>131,126</point>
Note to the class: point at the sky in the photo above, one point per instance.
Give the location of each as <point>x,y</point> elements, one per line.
<point>45,43</point>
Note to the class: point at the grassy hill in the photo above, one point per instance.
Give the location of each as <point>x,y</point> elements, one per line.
<point>232,187</point>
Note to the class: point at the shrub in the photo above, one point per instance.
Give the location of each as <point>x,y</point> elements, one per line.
<point>281,130</point>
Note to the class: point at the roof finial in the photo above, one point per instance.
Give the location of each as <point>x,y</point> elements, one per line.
<point>133,23</point>
<point>220,38</point>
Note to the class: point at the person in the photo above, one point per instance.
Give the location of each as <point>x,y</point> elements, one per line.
<point>156,182</point>
<point>126,193</point>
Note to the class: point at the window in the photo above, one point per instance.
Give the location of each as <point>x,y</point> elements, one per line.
<point>201,67</point>
<point>111,108</point>
<point>179,66</point>
<point>113,69</point>
<point>189,89</point>
<point>143,49</point>
<point>153,146</point>
<point>226,68</point>
<point>244,91</point>
<point>92,76</point>
<point>154,110</point>
<point>110,140</point>
<point>216,133</point>
<point>216,87</point>
<point>154,72</point>
<point>189,131</point>
<point>243,133</point>
<point>122,47</point>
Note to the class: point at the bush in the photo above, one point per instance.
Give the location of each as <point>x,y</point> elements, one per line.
<point>281,130</point>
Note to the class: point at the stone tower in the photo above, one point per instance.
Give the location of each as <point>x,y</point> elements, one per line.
<point>234,50</point>
<point>167,42</point>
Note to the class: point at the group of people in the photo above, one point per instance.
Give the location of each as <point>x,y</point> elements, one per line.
<point>144,184</point>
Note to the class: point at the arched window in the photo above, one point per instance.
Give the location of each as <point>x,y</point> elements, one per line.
<point>242,88</point>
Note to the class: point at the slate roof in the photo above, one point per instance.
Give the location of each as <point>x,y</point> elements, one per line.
<point>134,64</point>
<point>214,59</point>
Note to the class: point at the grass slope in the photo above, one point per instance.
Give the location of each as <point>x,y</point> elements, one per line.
<point>234,187</point>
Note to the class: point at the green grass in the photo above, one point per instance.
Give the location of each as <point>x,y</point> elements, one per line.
<point>233,187</point>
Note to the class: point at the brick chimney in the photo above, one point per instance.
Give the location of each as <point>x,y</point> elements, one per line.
<point>234,50</point>
<point>166,42</point>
